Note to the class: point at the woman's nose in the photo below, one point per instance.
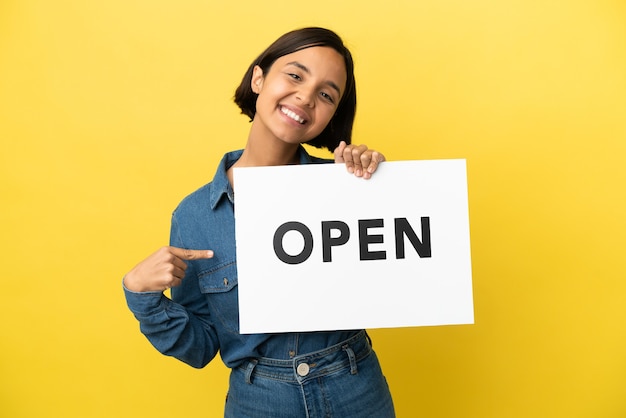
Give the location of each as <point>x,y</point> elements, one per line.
<point>306,95</point>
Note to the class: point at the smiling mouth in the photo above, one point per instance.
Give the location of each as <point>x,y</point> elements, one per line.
<point>292,115</point>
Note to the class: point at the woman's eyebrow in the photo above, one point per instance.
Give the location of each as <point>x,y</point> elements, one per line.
<point>306,70</point>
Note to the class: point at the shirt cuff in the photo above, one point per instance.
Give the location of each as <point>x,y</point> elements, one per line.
<point>145,303</point>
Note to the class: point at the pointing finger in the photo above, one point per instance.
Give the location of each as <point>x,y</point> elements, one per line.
<point>187,254</point>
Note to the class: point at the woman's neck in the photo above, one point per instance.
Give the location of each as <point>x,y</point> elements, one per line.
<point>255,155</point>
<point>262,153</point>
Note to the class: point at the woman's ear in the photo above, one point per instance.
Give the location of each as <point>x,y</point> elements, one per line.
<point>257,79</point>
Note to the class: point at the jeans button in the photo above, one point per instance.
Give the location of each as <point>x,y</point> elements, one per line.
<point>303,369</point>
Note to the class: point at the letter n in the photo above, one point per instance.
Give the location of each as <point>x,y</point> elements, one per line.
<point>403,228</point>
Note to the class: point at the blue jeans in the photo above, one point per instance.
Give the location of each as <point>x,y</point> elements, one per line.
<point>342,381</point>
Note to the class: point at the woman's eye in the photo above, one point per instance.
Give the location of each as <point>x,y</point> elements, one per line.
<point>294,76</point>
<point>327,97</point>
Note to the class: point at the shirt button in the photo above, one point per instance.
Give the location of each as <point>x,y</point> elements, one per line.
<point>225,281</point>
<point>303,369</point>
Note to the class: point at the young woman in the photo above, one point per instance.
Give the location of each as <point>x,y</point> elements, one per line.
<point>300,90</point>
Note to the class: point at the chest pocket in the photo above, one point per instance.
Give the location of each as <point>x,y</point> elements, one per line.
<point>218,279</point>
<point>218,283</point>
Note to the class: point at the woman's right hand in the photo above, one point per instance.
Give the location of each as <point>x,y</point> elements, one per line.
<point>163,269</point>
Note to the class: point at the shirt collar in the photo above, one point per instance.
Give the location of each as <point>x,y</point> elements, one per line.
<point>221,186</point>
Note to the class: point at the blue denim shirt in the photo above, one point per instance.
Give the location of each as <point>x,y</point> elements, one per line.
<point>203,315</point>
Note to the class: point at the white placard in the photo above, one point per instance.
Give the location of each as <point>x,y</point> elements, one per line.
<point>319,249</point>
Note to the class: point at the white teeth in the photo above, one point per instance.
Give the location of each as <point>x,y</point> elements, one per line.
<point>292,115</point>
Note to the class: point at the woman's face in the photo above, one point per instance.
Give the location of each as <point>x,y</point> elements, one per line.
<point>299,95</point>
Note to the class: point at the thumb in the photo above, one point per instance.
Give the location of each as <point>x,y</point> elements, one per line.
<point>187,254</point>
<point>339,152</point>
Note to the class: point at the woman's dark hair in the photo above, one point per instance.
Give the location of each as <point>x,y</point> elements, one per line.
<point>340,126</point>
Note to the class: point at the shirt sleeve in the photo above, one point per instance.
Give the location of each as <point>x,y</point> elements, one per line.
<point>181,330</point>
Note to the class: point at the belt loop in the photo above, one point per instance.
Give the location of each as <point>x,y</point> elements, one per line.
<point>369,339</point>
<point>351,357</point>
<point>249,369</point>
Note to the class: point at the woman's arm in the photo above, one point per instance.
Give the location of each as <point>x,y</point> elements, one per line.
<point>181,331</point>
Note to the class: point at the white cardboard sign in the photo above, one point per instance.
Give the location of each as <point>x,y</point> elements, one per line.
<point>319,249</point>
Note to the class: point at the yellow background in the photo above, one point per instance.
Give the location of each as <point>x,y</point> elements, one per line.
<point>112,111</point>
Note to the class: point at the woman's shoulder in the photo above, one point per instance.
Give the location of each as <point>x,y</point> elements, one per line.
<point>196,200</point>
<point>210,195</point>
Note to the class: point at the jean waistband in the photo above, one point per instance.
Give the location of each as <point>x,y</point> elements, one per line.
<point>307,366</point>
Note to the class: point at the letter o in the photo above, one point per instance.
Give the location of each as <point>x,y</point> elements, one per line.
<point>278,242</point>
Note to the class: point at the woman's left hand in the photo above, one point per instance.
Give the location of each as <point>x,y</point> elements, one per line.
<point>359,160</point>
